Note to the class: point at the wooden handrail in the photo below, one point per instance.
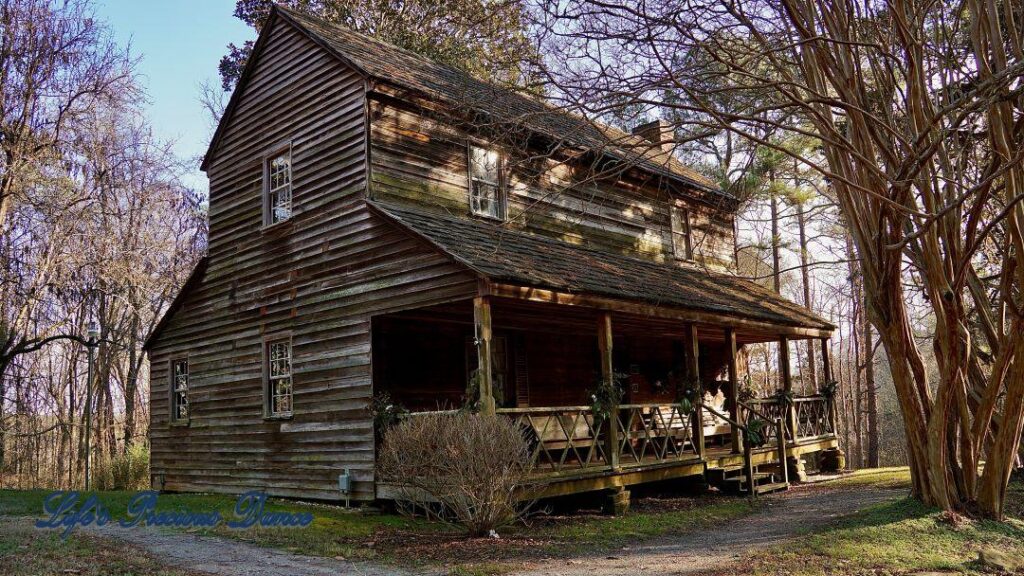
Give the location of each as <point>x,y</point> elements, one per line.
<point>529,409</point>
<point>726,418</point>
<point>754,411</point>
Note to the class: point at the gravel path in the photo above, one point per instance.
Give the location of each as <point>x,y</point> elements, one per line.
<point>225,557</point>
<point>784,516</point>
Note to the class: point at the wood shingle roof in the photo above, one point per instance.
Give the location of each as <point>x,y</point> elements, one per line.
<point>504,255</point>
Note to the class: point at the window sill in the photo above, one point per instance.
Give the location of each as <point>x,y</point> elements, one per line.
<point>276,227</point>
<point>278,417</point>
<point>180,423</point>
<point>488,217</point>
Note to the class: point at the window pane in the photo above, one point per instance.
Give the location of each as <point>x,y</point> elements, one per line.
<point>484,164</point>
<point>279,368</point>
<point>681,233</point>
<point>279,189</point>
<point>484,199</point>
<point>179,392</point>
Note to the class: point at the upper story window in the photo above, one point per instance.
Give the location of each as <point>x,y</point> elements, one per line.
<point>486,190</point>
<point>682,241</point>
<point>278,371</point>
<point>179,390</point>
<point>277,196</point>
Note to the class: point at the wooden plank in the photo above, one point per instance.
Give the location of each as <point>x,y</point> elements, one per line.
<point>785,373</point>
<point>483,332</point>
<point>691,348</point>
<point>604,343</point>
<point>734,387</point>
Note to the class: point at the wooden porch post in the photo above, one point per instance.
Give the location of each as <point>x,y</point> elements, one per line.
<point>826,374</point>
<point>482,324</point>
<point>734,387</point>
<point>787,384</point>
<point>692,346</point>
<point>604,343</point>
<point>826,363</point>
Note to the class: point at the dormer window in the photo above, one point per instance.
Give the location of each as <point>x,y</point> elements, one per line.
<point>277,198</point>
<point>486,190</point>
<point>682,242</point>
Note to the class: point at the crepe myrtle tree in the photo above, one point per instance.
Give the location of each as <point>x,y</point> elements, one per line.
<point>917,111</point>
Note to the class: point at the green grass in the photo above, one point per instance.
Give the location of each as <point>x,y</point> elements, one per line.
<point>352,534</point>
<point>335,531</point>
<point>897,537</point>
<point>613,531</point>
<point>875,477</point>
<point>25,551</point>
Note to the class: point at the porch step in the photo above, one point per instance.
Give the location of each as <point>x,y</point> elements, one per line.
<point>723,473</point>
<point>773,487</point>
<point>758,478</point>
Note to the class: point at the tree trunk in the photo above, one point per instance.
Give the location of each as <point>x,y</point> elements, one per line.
<point>805,275</point>
<point>872,394</point>
<point>776,258</point>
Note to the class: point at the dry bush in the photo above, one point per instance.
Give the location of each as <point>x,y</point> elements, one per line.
<point>128,471</point>
<point>459,467</point>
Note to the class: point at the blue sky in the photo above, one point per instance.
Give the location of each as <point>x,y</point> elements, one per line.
<point>179,43</point>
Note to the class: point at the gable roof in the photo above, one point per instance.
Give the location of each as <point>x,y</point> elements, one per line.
<point>501,254</point>
<point>194,279</point>
<point>393,65</point>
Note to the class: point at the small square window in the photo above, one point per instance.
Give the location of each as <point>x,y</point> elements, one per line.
<point>681,238</point>
<point>486,191</point>
<point>279,378</point>
<point>277,200</point>
<point>179,390</point>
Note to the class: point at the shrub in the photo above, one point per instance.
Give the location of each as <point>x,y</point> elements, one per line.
<point>461,467</point>
<point>128,471</point>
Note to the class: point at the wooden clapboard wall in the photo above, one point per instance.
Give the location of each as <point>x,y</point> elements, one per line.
<point>420,160</point>
<point>318,278</point>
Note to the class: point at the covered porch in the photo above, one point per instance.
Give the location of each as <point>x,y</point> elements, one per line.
<point>537,355</point>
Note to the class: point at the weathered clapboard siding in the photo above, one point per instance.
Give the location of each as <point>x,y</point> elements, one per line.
<point>421,161</point>
<point>318,277</point>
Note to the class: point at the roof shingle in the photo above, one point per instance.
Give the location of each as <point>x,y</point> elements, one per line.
<point>507,255</point>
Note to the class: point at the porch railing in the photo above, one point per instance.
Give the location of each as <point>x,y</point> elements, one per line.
<point>572,439</point>
<point>813,417</point>
<point>562,438</point>
<point>654,433</point>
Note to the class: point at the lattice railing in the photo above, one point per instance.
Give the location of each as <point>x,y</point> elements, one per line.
<point>767,411</point>
<point>654,433</point>
<point>561,438</point>
<point>812,415</point>
<point>813,418</point>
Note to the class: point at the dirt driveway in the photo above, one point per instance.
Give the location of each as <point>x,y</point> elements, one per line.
<point>784,516</point>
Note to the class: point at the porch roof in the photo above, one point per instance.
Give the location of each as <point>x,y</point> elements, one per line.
<point>501,254</point>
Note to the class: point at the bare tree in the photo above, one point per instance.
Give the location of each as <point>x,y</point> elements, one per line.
<point>917,109</point>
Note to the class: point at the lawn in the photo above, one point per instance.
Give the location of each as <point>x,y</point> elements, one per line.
<point>899,537</point>
<point>355,534</point>
<point>25,551</point>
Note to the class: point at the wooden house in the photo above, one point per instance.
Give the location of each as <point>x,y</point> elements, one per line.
<point>382,223</point>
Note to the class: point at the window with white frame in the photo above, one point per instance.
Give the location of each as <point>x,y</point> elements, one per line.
<point>278,188</point>
<point>179,390</point>
<point>486,193</point>
<point>279,377</point>
<point>682,242</point>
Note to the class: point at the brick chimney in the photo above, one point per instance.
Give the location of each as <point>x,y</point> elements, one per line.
<point>659,132</point>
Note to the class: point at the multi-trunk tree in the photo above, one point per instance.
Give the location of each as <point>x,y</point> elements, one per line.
<point>917,109</point>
